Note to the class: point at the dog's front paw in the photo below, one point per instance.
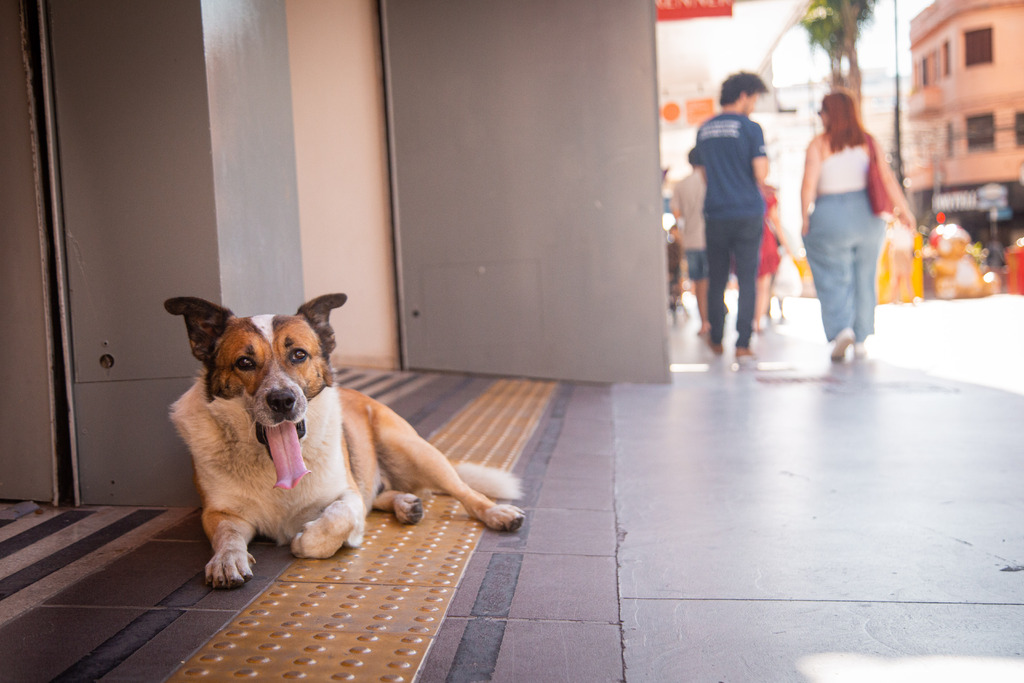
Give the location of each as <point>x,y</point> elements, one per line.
<point>504,517</point>
<point>315,542</point>
<point>229,569</point>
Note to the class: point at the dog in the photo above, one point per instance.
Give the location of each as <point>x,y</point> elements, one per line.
<point>279,451</point>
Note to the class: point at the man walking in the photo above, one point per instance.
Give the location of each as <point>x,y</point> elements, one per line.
<point>730,150</point>
<point>688,206</point>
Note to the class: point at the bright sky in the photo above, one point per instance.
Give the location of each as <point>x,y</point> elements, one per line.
<point>794,62</point>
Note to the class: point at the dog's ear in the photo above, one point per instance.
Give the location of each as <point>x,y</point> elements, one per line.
<point>205,322</point>
<point>318,312</point>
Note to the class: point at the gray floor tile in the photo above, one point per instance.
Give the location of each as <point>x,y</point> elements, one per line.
<point>588,436</point>
<point>143,577</point>
<point>578,493</point>
<point>586,467</point>
<point>785,641</point>
<point>566,587</point>
<point>572,532</point>
<point>559,651</point>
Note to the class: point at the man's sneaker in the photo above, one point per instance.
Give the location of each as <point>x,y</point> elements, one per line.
<point>842,342</point>
<point>744,355</point>
<point>859,350</point>
<point>715,348</point>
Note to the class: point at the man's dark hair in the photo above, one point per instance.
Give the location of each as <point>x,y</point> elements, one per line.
<point>740,83</point>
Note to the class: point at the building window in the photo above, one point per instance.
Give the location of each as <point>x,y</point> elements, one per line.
<point>945,59</point>
<point>981,133</point>
<point>949,139</point>
<point>978,47</point>
<point>1020,129</point>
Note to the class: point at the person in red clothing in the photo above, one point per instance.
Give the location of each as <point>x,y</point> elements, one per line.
<point>771,236</point>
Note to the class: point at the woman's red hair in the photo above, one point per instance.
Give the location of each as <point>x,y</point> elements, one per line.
<point>842,121</point>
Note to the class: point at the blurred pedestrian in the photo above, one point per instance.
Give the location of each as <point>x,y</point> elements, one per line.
<point>688,208</point>
<point>842,235</point>
<point>772,236</point>
<point>731,153</point>
<point>675,269</point>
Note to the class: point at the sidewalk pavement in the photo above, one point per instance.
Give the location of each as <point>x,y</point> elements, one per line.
<point>792,519</point>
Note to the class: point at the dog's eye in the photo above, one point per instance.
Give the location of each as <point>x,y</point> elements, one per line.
<point>245,363</point>
<point>299,355</point>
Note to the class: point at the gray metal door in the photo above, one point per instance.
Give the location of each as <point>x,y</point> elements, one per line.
<point>527,187</point>
<point>28,419</point>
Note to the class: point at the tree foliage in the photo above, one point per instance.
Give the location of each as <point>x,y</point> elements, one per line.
<point>834,26</point>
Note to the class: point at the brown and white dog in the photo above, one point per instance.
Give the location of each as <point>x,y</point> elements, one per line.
<point>279,451</point>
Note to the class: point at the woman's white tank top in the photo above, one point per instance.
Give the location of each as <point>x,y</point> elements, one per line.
<point>844,171</point>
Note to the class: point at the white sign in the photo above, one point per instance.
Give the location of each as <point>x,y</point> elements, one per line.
<point>990,196</point>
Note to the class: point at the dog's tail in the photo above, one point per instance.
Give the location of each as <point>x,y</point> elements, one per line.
<point>490,481</point>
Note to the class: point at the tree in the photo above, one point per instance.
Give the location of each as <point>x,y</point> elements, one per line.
<point>834,26</point>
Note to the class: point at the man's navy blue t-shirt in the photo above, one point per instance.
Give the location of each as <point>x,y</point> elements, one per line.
<point>726,148</point>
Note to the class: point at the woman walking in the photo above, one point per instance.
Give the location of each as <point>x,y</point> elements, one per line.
<point>842,236</point>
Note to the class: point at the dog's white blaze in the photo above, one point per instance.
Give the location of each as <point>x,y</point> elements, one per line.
<point>265,324</point>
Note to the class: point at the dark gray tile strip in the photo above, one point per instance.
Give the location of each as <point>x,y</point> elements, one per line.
<point>189,593</point>
<point>119,647</point>
<point>347,377</point>
<point>41,531</point>
<point>394,385</point>
<point>478,650</point>
<point>76,551</point>
<point>494,599</point>
<point>365,387</point>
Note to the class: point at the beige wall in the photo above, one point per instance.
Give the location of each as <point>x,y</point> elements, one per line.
<point>341,159</point>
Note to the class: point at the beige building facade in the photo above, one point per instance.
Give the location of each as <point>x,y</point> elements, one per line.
<point>968,105</point>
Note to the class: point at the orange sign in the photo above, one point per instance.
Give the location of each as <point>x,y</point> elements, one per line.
<point>670,112</point>
<point>670,10</point>
<point>699,111</point>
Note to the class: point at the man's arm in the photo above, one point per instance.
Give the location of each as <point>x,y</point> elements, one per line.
<point>760,165</point>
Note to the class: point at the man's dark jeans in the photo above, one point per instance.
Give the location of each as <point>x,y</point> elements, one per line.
<point>733,242</point>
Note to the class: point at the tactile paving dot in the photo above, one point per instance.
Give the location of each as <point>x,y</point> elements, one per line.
<point>370,613</point>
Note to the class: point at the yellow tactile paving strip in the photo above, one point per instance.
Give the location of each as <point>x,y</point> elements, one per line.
<point>495,431</point>
<point>371,613</point>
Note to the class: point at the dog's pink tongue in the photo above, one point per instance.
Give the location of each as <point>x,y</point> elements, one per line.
<point>287,454</point>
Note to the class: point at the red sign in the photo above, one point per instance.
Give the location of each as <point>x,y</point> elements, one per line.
<point>670,10</point>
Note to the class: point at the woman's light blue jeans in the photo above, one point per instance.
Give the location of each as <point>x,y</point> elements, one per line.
<point>843,242</point>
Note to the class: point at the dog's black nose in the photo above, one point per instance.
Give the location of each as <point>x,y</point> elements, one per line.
<point>281,401</point>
